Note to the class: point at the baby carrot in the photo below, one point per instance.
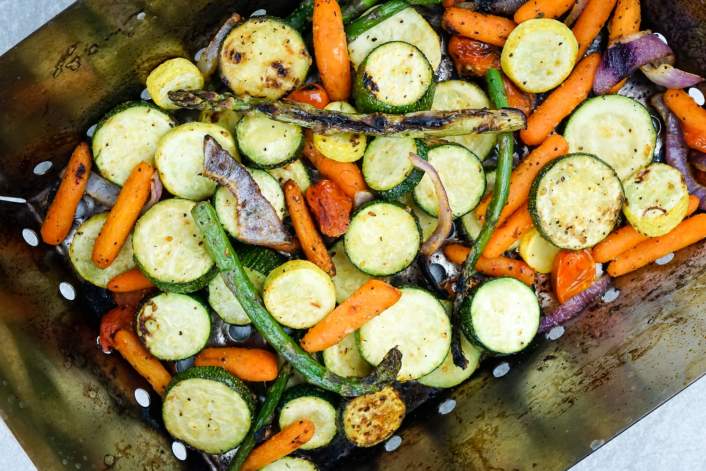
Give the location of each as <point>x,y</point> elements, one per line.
<point>688,232</point>
<point>131,280</point>
<point>590,22</point>
<point>542,9</point>
<point>525,173</point>
<point>505,235</point>
<point>490,29</point>
<point>365,303</point>
<point>248,364</point>
<point>150,368</point>
<point>309,238</point>
<point>498,266</point>
<point>279,445</point>
<point>694,139</point>
<point>122,217</point>
<point>60,215</point>
<point>331,49</point>
<point>346,175</point>
<point>685,108</point>
<point>625,21</point>
<point>561,102</point>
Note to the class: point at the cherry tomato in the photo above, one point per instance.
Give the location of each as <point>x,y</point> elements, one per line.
<point>312,94</point>
<point>114,320</point>
<point>573,272</point>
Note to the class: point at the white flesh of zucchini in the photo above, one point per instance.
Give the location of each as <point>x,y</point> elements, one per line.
<point>462,176</point>
<point>167,244</point>
<point>347,278</point>
<point>264,57</point>
<point>448,375</point>
<point>226,204</point>
<point>224,302</point>
<point>406,26</point>
<point>459,95</point>
<point>299,294</point>
<point>81,253</point>
<point>386,162</point>
<point>206,414</point>
<point>657,199</point>
<point>266,142</point>
<point>315,409</point>
<point>504,315</point>
<point>616,129</point>
<point>170,75</point>
<point>576,201</point>
<point>128,137</point>
<point>173,326</point>
<point>418,325</point>
<point>382,239</point>
<point>344,358</point>
<point>180,157</point>
<point>294,170</point>
<point>290,463</point>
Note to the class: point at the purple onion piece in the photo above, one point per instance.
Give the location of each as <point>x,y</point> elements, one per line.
<point>574,306</point>
<point>668,76</point>
<point>496,7</point>
<point>697,160</point>
<point>208,61</point>
<point>675,150</point>
<point>575,12</point>
<point>625,57</point>
<point>102,190</point>
<point>156,190</point>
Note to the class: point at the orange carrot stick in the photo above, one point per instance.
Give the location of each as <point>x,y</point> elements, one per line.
<point>248,364</point>
<point>331,49</point>
<point>685,108</point>
<point>346,175</point>
<point>627,237</point>
<point>122,217</point>
<point>150,368</point>
<point>365,303</point>
<point>60,215</point>
<point>498,266</point>
<point>688,232</point>
<point>131,280</point>
<point>625,21</point>
<point>542,9</point>
<point>695,139</point>
<point>561,102</point>
<point>487,28</point>
<point>309,238</point>
<point>590,22</point>
<point>506,235</point>
<point>279,445</point>
<point>523,176</point>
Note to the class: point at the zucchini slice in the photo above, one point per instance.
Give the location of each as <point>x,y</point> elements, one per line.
<point>126,136</point>
<point>342,146</point>
<point>81,253</point>
<point>208,409</point>
<point>656,199</point>
<point>170,75</point>
<point>459,95</point>
<point>347,278</point>
<point>291,463</point>
<point>418,325</point>
<point>383,238</point>
<point>448,375</point>
<point>575,201</point>
<point>386,166</point>
<point>299,294</point>
<point>471,226</point>
<point>615,128</point>
<point>309,402</point>
<point>263,57</point>
<point>266,142</point>
<point>537,251</point>
<point>226,204</point>
<point>426,223</point>
<point>344,359</point>
<point>395,77</point>
<point>539,54</point>
<point>294,170</point>
<point>406,26</point>
<point>180,157</point>
<point>228,119</point>
<point>502,316</point>
<point>173,326</point>
<point>169,248</point>
<point>462,175</point>
<point>373,418</point>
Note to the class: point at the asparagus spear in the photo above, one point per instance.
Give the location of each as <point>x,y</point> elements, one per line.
<point>419,124</point>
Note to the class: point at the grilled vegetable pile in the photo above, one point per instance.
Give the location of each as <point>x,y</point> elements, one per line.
<point>336,203</point>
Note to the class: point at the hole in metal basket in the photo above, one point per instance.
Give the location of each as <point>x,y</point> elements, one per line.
<point>30,237</point>
<point>393,443</point>
<point>447,406</point>
<point>145,95</point>
<point>142,397</point>
<point>179,451</point>
<point>67,290</point>
<point>43,167</point>
<point>501,370</point>
<point>697,95</point>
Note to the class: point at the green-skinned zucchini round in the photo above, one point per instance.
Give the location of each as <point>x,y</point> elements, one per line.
<point>305,401</point>
<point>386,166</point>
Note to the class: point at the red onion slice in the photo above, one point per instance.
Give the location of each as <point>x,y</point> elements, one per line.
<point>208,60</point>
<point>668,76</point>
<point>574,306</point>
<point>445,221</point>
<point>625,57</point>
<point>698,160</point>
<point>156,190</point>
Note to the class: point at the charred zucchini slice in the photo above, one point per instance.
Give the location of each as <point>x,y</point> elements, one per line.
<point>170,75</point>
<point>347,278</point>
<point>372,418</point>
<point>342,146</point>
